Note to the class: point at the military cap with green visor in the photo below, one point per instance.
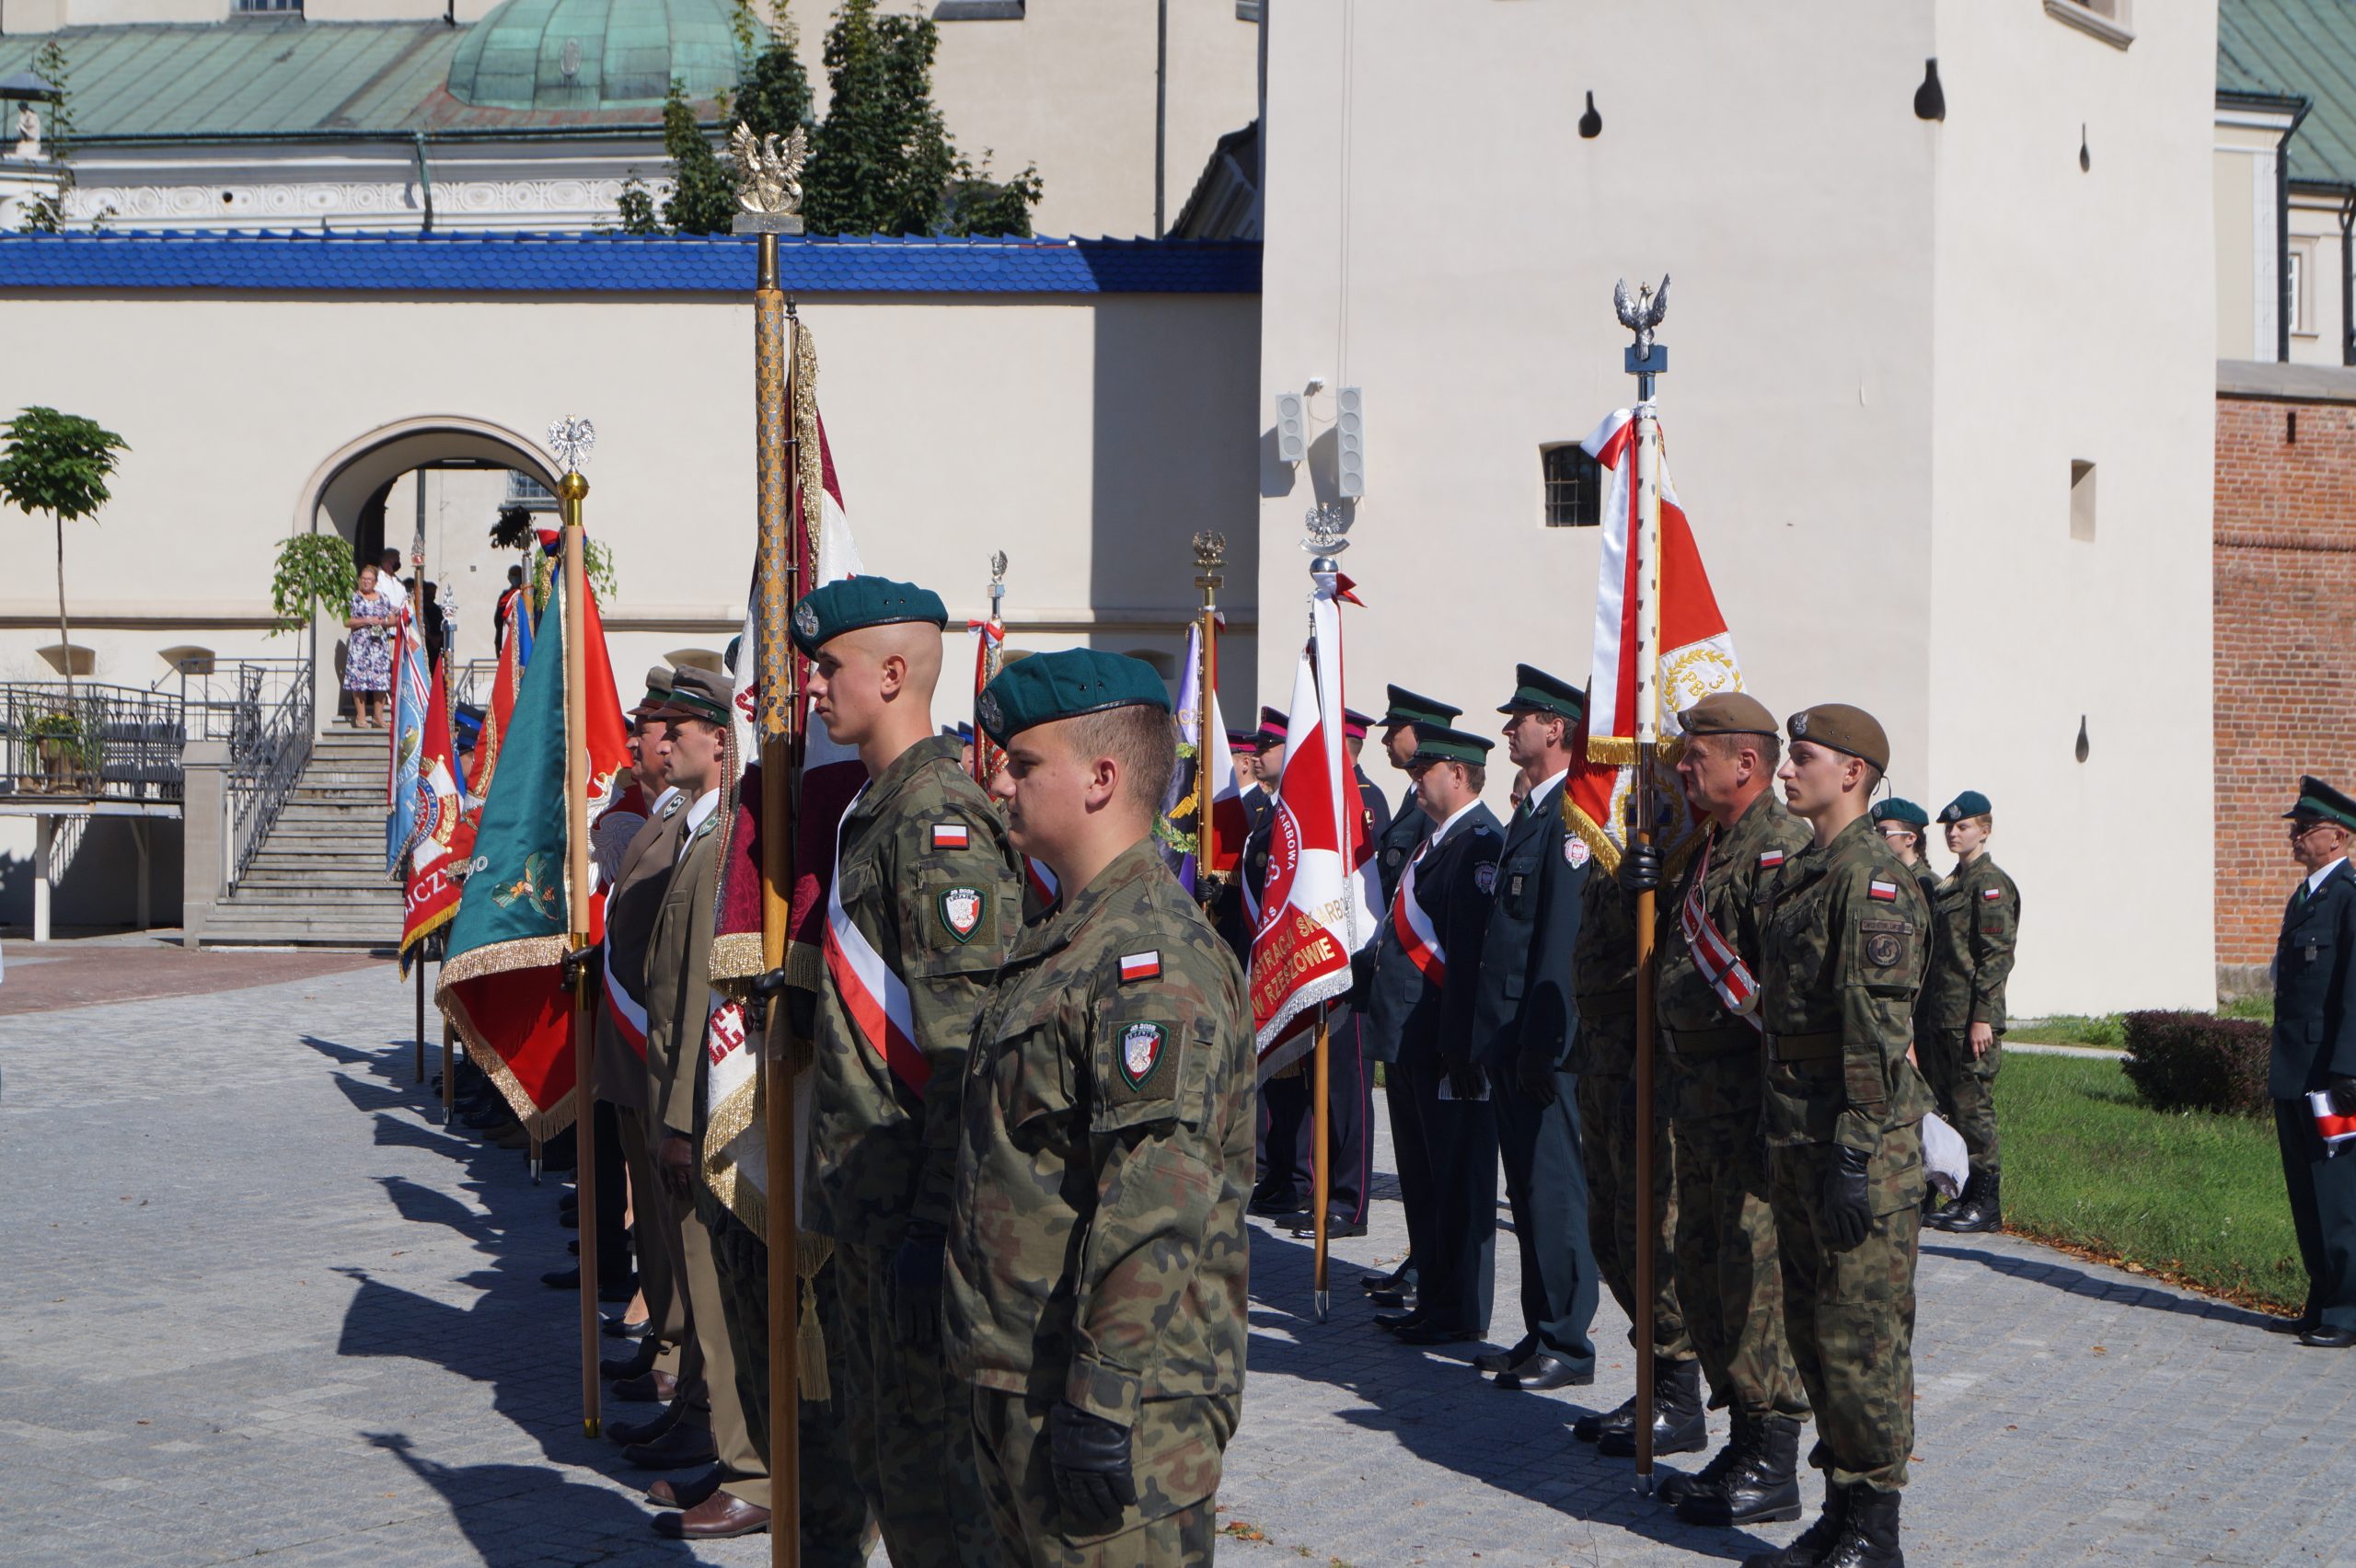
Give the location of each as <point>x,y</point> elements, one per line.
<point>1408,707</point>
<point>853,603</point>
<point>2320,802</point>
<point>658,688</point>
<point>1841,727</point>
<point>1066,685</point>
<point>697,694</point>
<point>1535,691</point>
<point>1434,743</point>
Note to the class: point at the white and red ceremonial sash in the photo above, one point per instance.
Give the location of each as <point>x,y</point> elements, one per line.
<point>1417,936</point>
<point>1042,881</point>
<point>1720,964</point>
<point>1696,656</point>
<point>876,999</point>
<point>627,1013</point>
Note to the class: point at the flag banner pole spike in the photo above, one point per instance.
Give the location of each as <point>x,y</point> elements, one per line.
<point>1211,554</point>
<point>1643,360</point>
<point>572,490</point>
<point>533,1161</point>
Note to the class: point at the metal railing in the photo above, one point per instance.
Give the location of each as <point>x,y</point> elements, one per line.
<point>470,682</point>
<point>107,742</point>
<point>262,707</point>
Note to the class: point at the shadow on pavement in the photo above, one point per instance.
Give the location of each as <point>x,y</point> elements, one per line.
<point>2077,1282</point>
<point>525,1493</point>
<point>1439,1409</point>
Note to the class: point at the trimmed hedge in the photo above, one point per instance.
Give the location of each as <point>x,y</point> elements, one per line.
<point>2194,1061</point>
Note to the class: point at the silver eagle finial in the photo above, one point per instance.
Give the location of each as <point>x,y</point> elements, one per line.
<point>769,172</point>
<point>1643,312</point>
<point>572,440</point>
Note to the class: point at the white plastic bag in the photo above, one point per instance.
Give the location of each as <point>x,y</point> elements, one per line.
<point>1945,1162</point>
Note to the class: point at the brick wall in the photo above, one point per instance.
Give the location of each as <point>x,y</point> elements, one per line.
<point>2286,589</point>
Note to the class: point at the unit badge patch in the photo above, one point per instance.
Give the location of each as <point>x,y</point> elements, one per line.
<point>1485,876</point>
<point>1882,950</point>
<point>1142,1049</point>
<point>1574,850</point>
<point>805,620</point>
<point>962,909</point>
<point>987,710</point>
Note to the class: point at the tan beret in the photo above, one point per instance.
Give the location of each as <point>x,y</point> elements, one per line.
<point>1844,729</point>
<point>1729,713</point>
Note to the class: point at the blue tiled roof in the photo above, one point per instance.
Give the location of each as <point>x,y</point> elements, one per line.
<point>612,263</point>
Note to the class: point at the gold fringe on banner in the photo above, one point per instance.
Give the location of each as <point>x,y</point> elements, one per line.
<point>503,958</point>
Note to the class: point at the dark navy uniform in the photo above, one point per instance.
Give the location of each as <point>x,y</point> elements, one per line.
<point>2315,1049</point>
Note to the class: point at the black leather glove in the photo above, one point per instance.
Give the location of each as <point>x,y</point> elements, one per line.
<point>1848,1210</point>
<point>915,1287</point>
<point>1534,1076</point>
<point>1090,1458</point>
<point>1464,1079</point>
<point>766,988</point>
<point>584,964</point>
<point>1640,869</point>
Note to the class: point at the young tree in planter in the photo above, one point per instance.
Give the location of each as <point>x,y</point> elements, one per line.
<point>59,463</point>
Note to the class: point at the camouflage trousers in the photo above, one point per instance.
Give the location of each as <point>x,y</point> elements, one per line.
<point>1729,1280</point>
<point>1608,1142</point>
<point>1851,1314</point>
<point>1965,1087</point>
<point>1177,1444</point>
<point>834,1528</point>
<point>911,1433</point>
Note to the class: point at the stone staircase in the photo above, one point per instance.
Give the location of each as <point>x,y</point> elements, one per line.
<point>318,879</point>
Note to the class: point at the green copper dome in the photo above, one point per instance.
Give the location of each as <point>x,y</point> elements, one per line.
<point>594,54</point>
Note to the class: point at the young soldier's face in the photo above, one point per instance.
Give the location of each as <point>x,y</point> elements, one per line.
<point>1902,840</point>
<point>652,749</point>
<point>1965,836</point>
<point>694,761</point>
<point>1526,734</point>
<point>1813,776</point>
<point>1044,786</point>
<point>845,686</point>
<point>1399,745</point>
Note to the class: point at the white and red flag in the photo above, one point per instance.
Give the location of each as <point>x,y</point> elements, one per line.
<point>1696,655</point>
<point>445,839</point>
<point>1317,908</point>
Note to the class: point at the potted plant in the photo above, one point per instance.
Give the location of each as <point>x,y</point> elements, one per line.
<point>58,742</point>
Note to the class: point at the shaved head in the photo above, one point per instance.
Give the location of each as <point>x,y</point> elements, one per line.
<point>873,688</point>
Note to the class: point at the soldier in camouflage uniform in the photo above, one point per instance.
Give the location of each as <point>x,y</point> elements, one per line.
<point>1962,1044</point>
<point>1097,1245</point>
<point>1604,986</point>
<point>927,896</point>
<point>1840,962</point>
<point>1728,1275</point>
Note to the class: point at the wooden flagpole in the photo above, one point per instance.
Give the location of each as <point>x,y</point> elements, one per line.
<point>769,192</point>
<point>1645,359</point>
<point>1327,524</point>
<point>1320,1162</point>
<point>570,492</point>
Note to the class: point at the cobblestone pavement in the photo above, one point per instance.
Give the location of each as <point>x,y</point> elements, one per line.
<point>257,1304</point>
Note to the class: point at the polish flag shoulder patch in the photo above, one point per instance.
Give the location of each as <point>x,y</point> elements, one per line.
<point>950,835</point>
<point>1770,858</point>
<point>1138,966</point>
<point>1991,894</point>
<point>1885,891</point>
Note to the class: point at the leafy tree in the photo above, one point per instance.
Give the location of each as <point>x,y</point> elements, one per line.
<point>59,463</point>
<point>702,196</point>
<point>979,206</point>
<point>46,213</point>
<point>312,569</point>
<point>772,91</point>
<point>637,206</point>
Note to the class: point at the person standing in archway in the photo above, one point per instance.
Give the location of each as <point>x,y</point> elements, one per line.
<point>368,656</point>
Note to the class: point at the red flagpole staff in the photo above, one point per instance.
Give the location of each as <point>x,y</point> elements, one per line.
<point>1643,360</point>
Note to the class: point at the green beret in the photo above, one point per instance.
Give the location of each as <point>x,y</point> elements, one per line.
<point>1970,804</point>
<point>658,687</point>
<point>697,694</point>
<point>1727,713</point>
<point>1434,743</point>
<point>853,603</point>
<point>1065,685</point>
<point>1536,691</point>
<point>1901,810</point>
<point>1406,707</point>
<point>2318,799</point>
<point>1844,729</point>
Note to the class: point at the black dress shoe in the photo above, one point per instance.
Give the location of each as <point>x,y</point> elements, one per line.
<point>682,1447</point>
<point>637,1364</point>
<point>634,1327</point>
<point>1435,1333</point>
<point>649,1387</point>
<point>1336,1228</point>
<point>628,1433</point>
<point>687,1492</point>
<point>1543,1371</point>
<point>1274,1205</point>
<point>1402,1278</point>
<point>1493,1361</point>
<point>2324,1338</point>
<point>1391,1300</point>
<point>1394,1321</point>
<point>2291,1325</point>
<point>562,1279</point>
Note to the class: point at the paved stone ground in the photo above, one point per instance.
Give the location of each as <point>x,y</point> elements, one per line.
<point>257,1305</point>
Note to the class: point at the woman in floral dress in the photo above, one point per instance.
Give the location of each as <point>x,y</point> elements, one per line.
<point>368,656</point>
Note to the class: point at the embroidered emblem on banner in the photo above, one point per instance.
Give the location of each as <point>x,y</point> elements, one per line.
<point>1886,891</point>
<point>1575,851</point>
<point>1141,1045</point>
<point>1140,966</point>
<point>726,1033</point>
<point>962,909</point>
<point>948,836</point>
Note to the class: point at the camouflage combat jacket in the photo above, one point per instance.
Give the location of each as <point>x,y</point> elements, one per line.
<point>1097,1249</point>
<point>1711,1056</point>
<point>1978,915</point>
<point>927,877</point>
<point>1841,959</point>
<point>1604,978</point>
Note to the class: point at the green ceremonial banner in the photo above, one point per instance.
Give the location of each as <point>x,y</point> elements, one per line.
<point>500,986</point>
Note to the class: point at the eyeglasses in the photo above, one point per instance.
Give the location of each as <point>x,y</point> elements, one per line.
<point>2300,829</point>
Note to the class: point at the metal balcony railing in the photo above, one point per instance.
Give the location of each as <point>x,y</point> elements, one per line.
<point>97,742</point>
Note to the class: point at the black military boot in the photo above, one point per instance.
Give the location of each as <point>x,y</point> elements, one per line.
<point>1681,1424</point>
<point>1761,1486</point>
<point>1591,1426</point>
<point>1809,1551</point>
<point>1675,1490</point>
<point>1956,1204</point>
<point>1981,1209</point>
<point>1869,1535</point>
